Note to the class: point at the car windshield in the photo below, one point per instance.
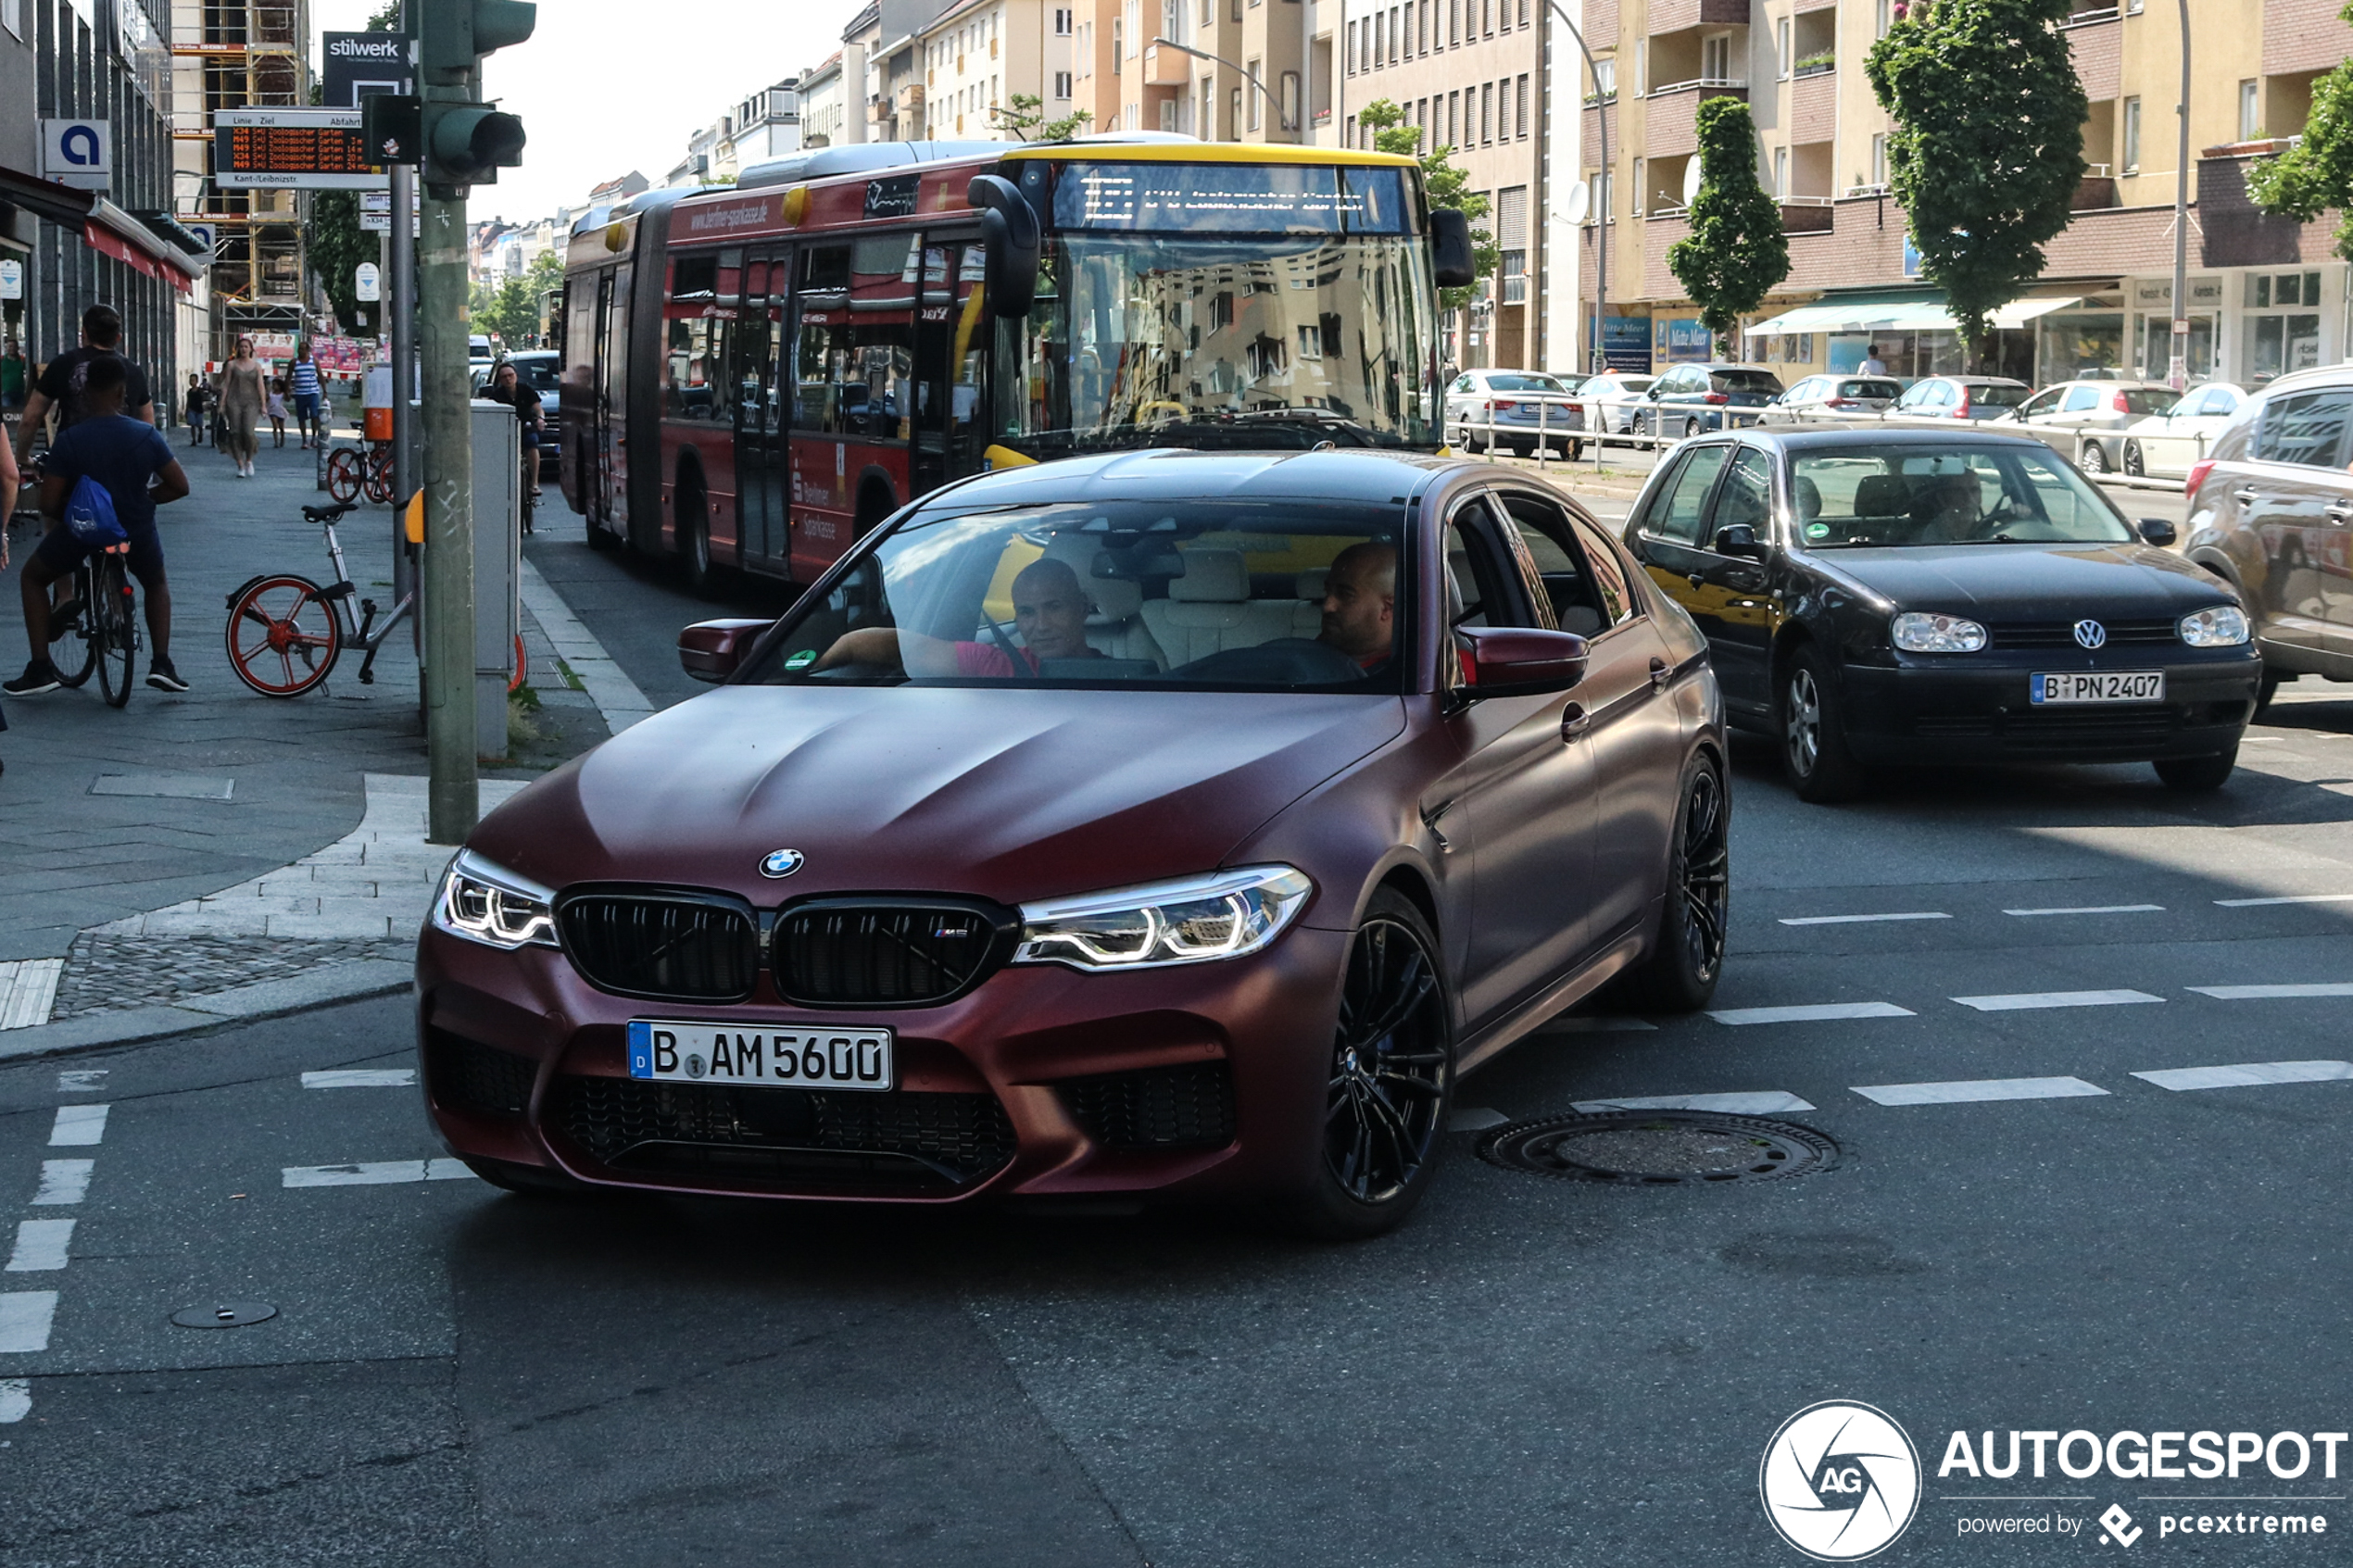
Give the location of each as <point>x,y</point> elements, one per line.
<point>1521,383</point>
<point>1219,596</point>
<point>1744,380</point>
<point>2147,399</point>
<point>1995,395</point>
<point>540,375</point>
<point>1869,389</point>
<point>1946,494</point>
<point>1629,384</point>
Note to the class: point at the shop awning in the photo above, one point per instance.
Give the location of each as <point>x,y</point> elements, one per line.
<point>46,198</point>
<point>1897,315</point>
<point>115,233</point>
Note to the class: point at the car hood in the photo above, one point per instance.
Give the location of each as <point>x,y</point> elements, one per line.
<point>2030,582</point>
<point>1009,794</point>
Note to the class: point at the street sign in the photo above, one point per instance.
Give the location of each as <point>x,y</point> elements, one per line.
<point>375,213</point>
<point>366,284</point>
<point>361,63</point>
<point>209,235</point>
<point>12,279</point>
<point>77,153</point>
<point>291,149</point>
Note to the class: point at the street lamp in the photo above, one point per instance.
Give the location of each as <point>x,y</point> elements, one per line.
<point>1601,247</point>
<point>1246,75</point>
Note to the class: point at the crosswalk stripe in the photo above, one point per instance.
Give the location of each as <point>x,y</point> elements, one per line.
<point>64,1181</point>
<point>1862,920</point>
<point>2248,1074</point>
<point>1964,1091</point>
<point>25,1317</point>
<point>2092,910</point>
<point>2027,999</point>
<point>375,1173</point>
<point>16,1399</point>
<point>1820,1013</point>
<point>1754,1102</point>
<point>360,1078</point>
<point>41,1246</point>
<point>79,1125</point>
<point>2285,898</point>
<point>2266,993</point>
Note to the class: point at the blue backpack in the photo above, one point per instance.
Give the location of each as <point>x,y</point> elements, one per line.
<point>89,513</point>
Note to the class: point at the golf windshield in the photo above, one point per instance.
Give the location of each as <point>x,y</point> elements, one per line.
<point>1137,596</point>
<point>1958,495</point>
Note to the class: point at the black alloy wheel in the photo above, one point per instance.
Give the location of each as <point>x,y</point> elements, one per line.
<point>694,537</point>
<point>1680,972</point>
<point>2198,774</point>
<point>1390,1076</point>
<point>2094,458</point>
<point>1691,428</point>
<point>1813,726</point>
<point>2136,461</point>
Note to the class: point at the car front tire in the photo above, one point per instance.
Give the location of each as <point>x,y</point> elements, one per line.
<point>2198,774</point>
<point>1680,972</point>
<point>2136,461</point>
<point>2094,458</point>
<point>1813,730</point>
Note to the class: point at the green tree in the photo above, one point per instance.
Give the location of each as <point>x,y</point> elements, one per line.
<point>511,311</point>
<point>1988,145</point>
<point>2317,174</point>
<point>338,245</point>
<point>1445,185</point>
<point>1026,113</point>
<point>1736,252</point>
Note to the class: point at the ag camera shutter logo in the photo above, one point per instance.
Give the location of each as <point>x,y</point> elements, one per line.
<point>1840,1481</point>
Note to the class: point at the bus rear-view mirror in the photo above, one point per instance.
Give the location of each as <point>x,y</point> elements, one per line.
<point>1452,263</point>
<point>1009,236</point>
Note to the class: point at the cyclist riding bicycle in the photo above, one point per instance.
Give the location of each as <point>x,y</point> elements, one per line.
<point>123,454</point>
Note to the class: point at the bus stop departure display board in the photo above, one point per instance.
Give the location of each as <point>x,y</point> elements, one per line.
<point>291,148</point>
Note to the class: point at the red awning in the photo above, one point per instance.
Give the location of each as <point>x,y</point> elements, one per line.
<point>112,231</point>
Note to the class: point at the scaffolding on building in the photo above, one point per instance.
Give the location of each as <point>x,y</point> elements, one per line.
<point>233,55</point>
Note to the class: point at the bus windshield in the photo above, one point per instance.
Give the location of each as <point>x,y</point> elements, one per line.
<point>1210,303</point>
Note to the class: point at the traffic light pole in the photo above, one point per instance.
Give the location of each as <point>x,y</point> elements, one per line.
<point>449,606</point>
<point>400,310</point>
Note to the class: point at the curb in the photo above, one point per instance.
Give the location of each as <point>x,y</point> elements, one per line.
<point>347,982</point>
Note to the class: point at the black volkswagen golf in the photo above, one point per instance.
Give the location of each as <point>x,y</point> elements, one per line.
<point>1891,597</point>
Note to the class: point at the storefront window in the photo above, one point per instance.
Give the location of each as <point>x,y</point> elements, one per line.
<point>2281,329</point>
<point>2078,342</point>
<point>2154,360</point>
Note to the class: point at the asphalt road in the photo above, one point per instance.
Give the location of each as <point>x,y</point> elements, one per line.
<point>1534,1371</point>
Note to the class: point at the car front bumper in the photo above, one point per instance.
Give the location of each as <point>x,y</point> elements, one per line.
<point>1973,707</point>
<point>1221,1068</point>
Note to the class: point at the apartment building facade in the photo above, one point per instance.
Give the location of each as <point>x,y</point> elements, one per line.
<point>1220,71</point>
<point>2265,294</point>
<point>978,56</point>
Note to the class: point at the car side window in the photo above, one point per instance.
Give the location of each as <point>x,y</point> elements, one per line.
<point>1567,593</point>
<point>1915,397</point>
<point>2080,398</point>
<point>1747,494</point>
<point>2041,403</point>
<point>2217,401</point>
<point>2307,431</point>
<point>1476,589</point>
<point>1683,506</point>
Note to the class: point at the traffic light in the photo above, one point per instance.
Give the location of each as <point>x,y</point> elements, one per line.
<point>463,141</point>
<point>391,128</point>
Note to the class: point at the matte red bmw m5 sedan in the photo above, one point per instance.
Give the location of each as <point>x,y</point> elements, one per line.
<point>1163,825</point>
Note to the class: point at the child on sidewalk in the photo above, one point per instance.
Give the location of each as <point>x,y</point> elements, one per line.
<point>278,410</point>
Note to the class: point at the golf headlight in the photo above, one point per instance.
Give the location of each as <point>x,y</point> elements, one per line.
<point>1916,632</point>
<point>487,903</point>
<point>1192,920</point>
<point>2224,626</point>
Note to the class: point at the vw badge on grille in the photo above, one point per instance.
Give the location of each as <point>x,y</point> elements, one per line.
<point>2089,634</point>
<point>784,862</point>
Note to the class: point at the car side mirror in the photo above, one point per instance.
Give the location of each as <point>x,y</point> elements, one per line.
<point>2157,532</point>
<point>1453,264</point>
<point>1738,539</point>
<point>710,651</point>
<point>1515,661</point>
<point>1009,236</point>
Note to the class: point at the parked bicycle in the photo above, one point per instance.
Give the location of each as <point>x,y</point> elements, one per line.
<point>103,615</point>
<point>285,632</point>
<point>354,472</point>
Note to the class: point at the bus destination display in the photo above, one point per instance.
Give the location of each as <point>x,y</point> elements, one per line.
<point>291,149</point>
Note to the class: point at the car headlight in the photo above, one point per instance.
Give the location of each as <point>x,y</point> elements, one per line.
<point>486,903</point>
<point>1918,632</point>
<point>2224,626</point>
<point>1191,920</point>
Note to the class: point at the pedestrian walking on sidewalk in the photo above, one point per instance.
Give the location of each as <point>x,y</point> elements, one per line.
<point>123,454</point>
<point>191,405</point>
<point>244,391</point>
<point>277,410</point>
<point>9,480</point>
<point>304,378</point>
<point>62,382</point>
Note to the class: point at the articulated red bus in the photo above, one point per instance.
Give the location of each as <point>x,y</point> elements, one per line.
<point>755,376</point>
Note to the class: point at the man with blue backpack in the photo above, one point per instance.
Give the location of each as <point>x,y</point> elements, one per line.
<point>97,482</point>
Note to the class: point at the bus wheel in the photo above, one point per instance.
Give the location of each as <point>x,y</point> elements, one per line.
<point>694,537</point>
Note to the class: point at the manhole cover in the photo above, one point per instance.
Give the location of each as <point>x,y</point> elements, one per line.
<point>224,1314</point>
<point>1659,1147</point>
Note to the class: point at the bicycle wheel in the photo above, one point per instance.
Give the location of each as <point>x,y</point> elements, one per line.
<point>344,477</point>
<point>117,636</point>
<point>74,669</point>
<point>378,480</point>
<point>283,637</point>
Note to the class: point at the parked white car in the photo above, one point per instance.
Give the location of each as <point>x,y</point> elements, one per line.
<point>2166,446</point>
<point>2085,419</point>
<point>1515,410</point>
<point>1833,398</point>
<point>1611,401</point>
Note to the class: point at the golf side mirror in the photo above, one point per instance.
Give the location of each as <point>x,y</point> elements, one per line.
<point>710,651</point>
<point>1738,539</point>
<point>2157,532</point>
<point>1511,661</point>
<point>1453,265</point>
<point>1009,236</point>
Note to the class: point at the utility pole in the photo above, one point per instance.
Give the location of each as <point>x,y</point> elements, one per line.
<point>2177,375</point>
<point>400,310</point>
<point>453,790</point>
<point>1601,197</point>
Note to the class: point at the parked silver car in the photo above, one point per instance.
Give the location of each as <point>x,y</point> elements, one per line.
<point>1939,398</point>
<point>2272,510</point>
<point>1611,401</point>
<point>2086,419</point>
<point>1515,411</point>
<point>1832,397</point>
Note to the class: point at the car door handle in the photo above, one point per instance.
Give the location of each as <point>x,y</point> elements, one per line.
<point>1697,578</point>
<point>1661,673</point>
<point>2246,497</point>
<point>1575,721</point>
<point>2339,512</point>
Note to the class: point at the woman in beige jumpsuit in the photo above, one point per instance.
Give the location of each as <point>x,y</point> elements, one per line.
<point>244,391</point>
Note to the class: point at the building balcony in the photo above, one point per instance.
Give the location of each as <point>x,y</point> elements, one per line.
<point>1802,6</point>
<point>1674,16</point>
<point>1813,106</point>
<point>2301,35</point>
<point>2097,191</point>
<point>2096,40</point>
<point>1166,68</point>
<point>908,99</point>
<point>1592,129</point>
<point>2234,232</point>
<point>1600,24</point>
<point>1658,280</point>
<point>1671,127</point>
<point>1807,215</point>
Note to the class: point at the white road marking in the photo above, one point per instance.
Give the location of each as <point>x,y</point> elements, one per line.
<point>375,1173</point>
<point>1475,1119</point>
<point>2248,1074</point>
<point>1862,920</point>
<point>1820,1013</point>
<point>1755,1102</point>
<point>16,1399</point>
<point>41,1246</point>
<point>27,990</point>
<point>2264,993</point>
<point>1961,1092</point>
<point>78,1126</point>
<point>25,1316</point>
<point>360,1078</point>
<point>83,1081</point>
<point>1597,1026</point>
<point>2288,898</point>
<point>64,1181</point>
<point>2026,999</point>
<point>2090,910</point>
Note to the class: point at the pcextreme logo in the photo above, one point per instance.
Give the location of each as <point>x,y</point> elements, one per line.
<point>1840,1481</point>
